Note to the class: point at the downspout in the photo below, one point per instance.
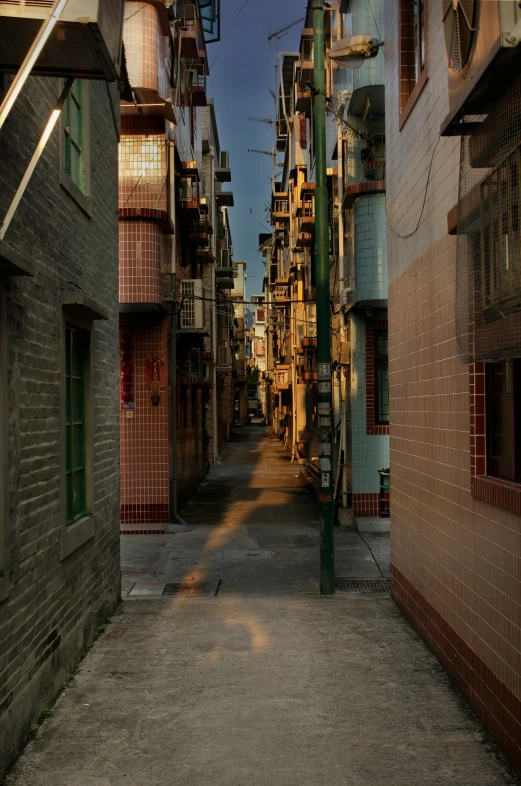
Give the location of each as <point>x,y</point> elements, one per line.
<point>341,285</point>
<point>173,332</point>
<point>213,311</point>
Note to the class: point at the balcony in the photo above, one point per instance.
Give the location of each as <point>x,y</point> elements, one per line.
<point>224,198</point>
<point>305,63</point>
<point>222,171</point>
<point>280,207</point>
<point>141,281</point>
<point>188,191</point>
<point>195,89</point>
<point>86,43</point>
<point>192,34</point>
<point>142,177</point>
<point>144,66</point>
<point>303,102</point>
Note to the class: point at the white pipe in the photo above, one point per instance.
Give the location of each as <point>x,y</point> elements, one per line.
<point>173,267</point>
<point>213,309</point>
<point>29,62</point>
<point>53,119</point>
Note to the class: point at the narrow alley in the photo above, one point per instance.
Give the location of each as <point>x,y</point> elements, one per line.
<point>251,676</point>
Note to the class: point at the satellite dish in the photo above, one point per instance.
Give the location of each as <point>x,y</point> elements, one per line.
<point>353,52</point>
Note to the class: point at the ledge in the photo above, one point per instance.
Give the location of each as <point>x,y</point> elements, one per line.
<point>161,217</point>
<point>84,305</point>
<point>362,189</point>
<point>12,263</point>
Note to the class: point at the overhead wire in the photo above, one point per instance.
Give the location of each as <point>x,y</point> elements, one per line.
<point>241,9</point>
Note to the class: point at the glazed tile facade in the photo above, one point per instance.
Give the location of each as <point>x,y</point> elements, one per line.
<point>456,534</point>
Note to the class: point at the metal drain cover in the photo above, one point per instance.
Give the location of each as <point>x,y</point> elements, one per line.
<point>189,588</point>
<point>363,585</point>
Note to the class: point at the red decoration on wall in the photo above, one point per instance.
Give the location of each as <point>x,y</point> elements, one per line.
<point>126,370</point>
<point>155,372</point>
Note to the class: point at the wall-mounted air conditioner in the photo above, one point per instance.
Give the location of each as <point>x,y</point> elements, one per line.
<point>192,309</point>
<point>86,41</point>
<point>481,39</point>
<point>224,357</point>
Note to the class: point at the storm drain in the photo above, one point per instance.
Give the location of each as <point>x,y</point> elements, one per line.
<point>190,589</point>
<point>362,585</point>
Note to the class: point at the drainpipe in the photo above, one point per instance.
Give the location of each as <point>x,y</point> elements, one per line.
<point>173,331</point>
<point>213,311</point>
<point>341,285</point>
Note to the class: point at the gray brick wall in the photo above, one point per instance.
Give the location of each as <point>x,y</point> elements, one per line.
<point>54,605</point>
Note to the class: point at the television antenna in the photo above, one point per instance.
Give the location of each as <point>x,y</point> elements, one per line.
<point>284,31</point>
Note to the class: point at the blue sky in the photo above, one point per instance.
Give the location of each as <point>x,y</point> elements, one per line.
<point>239,83</point>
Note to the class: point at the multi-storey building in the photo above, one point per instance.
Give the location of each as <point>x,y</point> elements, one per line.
<point>453,139</point>
<point>171,210</point>
<point>59,437</point>
<point>240,330</point>
<point>355,138</point>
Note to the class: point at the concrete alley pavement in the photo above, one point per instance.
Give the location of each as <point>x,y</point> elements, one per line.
<point>254,678</point>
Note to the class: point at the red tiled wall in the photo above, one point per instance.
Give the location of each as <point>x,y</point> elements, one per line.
<point>145,436</point>
<point>366,504</point>
<point>140,277</point>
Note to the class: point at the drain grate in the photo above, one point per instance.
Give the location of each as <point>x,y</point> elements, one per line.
<point>362,585</point>
<point>190,589</point>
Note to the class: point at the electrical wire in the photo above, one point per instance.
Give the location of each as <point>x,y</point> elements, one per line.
<point>389,218</point>
<point>241,9</point>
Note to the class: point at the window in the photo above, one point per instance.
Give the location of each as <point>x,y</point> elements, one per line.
<point>413,53</point>
<point>73,131</point>
<point>503,419</point>
<point>76,364</point>
<point>381,378</point>
<point>75,149</point>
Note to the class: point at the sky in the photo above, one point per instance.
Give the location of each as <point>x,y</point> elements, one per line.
<point>242,70</point>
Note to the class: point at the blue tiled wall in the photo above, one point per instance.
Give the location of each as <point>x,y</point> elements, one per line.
<point>372,72</point>
<point>370,247</point>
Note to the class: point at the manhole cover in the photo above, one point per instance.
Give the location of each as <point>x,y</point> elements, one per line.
<point>176,589</point>
<point>362,585</point>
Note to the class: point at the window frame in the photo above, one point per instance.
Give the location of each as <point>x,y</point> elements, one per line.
<point>372,328</point>
<point>496,491</point>
<point>378,362</point>
<point>80,195</point>
<point>410,87</point>
<point>78,532</point>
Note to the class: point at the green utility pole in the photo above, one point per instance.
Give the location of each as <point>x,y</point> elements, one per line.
<point>325,457</point>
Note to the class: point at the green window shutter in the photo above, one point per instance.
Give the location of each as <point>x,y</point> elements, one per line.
<point>76,359</point>
<point>73,131</point>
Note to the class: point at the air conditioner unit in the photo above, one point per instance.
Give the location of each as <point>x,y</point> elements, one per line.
<point>85,43</point>
<point>192,310</point>
<point>224,357</point>
<point>224,160</point>
<point>481,38</point>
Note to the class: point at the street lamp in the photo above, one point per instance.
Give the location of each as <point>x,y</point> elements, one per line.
<point>354,51</point>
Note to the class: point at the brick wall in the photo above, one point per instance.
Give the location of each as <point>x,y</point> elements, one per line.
<point>455,559</point>
<point>54,605</point>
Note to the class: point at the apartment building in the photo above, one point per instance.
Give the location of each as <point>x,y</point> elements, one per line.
<point>59,478</point>
<point>355,139</point>
<point>453,140</point>
<point>240,331</point>
<point>170,209</point>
